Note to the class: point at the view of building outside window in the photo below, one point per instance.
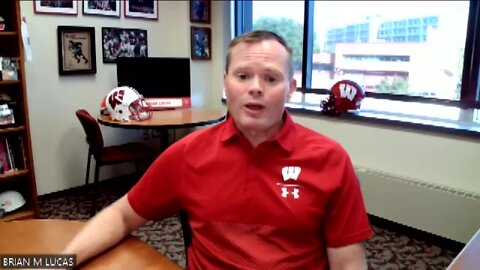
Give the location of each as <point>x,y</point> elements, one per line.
<point>407,48</point>
<point>397,47</point>
<point>285,18</point>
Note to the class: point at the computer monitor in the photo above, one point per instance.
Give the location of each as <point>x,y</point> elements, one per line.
<point>163,81</point>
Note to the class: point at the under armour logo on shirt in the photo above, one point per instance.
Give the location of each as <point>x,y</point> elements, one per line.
<point>293,192</point>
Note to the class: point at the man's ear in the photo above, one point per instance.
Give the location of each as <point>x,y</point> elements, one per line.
<point>292,88</point>
<point>224,82</point>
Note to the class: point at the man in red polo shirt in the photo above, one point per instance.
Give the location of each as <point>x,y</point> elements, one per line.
<point>260,191</point>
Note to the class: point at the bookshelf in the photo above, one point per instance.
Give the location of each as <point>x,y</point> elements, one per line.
<point>16,161</point>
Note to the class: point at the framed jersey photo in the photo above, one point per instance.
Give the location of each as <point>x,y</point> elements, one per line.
<point>200,11</point>
<point>201,43</point>
<point>76,50</point>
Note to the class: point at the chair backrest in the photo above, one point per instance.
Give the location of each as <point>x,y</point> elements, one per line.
<point>186,230</point>
<point>92,130</point>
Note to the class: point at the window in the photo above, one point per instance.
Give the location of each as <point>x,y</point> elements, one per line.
<point>287,21</point>
<point>432,68</point>
<point>399,50</point>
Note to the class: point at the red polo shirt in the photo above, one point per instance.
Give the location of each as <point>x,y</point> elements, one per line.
<point>276,206</point>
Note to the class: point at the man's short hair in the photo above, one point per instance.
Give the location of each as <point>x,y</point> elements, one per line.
<point>256,37</point>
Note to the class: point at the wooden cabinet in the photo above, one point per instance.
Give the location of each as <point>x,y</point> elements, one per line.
<point>16,162</point>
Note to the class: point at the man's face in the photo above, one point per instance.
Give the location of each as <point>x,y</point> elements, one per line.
<point>257,86</point>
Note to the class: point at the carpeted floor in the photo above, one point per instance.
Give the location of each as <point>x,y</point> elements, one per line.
<point>388,249</point>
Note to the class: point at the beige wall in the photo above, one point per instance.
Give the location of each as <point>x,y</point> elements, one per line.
<point>441,159</point>
<point>60,152</point>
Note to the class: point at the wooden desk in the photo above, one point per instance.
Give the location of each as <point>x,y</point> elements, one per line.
<point>469,257</point>
<point>49,236</point>
<point>176,118</point>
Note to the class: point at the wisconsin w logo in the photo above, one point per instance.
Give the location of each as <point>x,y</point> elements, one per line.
<point>116,98</point>
<point>291,172</point>
<point>347,91</point>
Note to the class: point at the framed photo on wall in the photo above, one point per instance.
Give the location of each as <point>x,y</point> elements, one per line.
<point>201,43</point>
<point>76,50</point>
<point>102,7</point>
<point>123,42</point>
<point>146,9</point>
<point>200,11</point>
<point>67,7</point>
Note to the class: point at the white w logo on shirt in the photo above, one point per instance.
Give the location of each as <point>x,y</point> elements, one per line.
<point>347,91</point>
<point>291,172</point>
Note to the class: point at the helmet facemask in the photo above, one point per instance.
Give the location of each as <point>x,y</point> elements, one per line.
<point>140,110</point>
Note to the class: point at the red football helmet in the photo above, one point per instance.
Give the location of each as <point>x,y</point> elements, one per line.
<point>345,95</point>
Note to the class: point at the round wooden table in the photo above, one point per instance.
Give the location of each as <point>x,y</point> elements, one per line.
<point>164,120</point>
<point>172,118</point>
<point>50,236</point>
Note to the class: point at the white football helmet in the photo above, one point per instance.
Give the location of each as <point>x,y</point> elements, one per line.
<point>11,200</point>
<point>125,104</point>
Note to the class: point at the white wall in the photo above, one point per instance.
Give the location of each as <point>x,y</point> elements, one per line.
<point>60,151</point>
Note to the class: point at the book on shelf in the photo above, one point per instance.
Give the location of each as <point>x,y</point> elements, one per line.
<point>2,24</point>
<point>3,160</point>
<point>12,154</point>
<point>23,154</point>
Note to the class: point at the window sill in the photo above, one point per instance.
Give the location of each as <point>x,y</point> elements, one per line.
<point>466,128</point>
<point>464,123</point>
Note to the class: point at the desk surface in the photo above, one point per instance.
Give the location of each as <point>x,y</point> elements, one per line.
<point>49,236</point>
<point>469,257</point>
<point>173,118</point>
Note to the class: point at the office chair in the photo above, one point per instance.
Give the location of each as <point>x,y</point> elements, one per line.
<point>108,155</point>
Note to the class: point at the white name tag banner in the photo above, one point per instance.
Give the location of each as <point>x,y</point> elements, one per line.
<point>169,103</point>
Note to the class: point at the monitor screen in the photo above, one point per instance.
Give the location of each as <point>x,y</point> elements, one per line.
<point>155,77</point>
